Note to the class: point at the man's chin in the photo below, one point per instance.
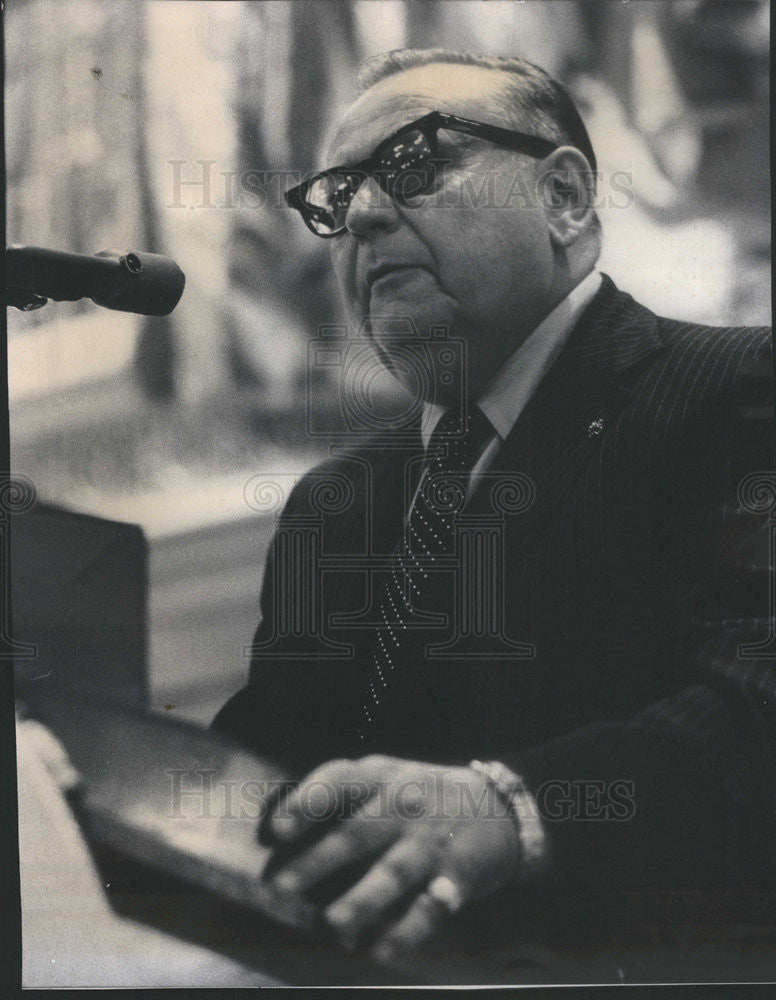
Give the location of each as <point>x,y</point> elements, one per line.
<point>423,312</point>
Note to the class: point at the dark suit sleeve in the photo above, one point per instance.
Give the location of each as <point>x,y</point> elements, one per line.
<point>297,707</point>
<point>683,793</point>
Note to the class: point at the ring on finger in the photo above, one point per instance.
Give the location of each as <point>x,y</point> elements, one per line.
<point>443,894</point>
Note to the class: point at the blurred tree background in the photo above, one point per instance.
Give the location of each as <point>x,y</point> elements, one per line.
<point>175,127</point>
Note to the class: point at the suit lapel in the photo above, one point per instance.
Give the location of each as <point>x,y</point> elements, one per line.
<point>575,406</point>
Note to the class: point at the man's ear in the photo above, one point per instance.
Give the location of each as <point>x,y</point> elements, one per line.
<point>566,191</point>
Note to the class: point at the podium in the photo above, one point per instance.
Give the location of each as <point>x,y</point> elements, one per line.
<point>79,604</point>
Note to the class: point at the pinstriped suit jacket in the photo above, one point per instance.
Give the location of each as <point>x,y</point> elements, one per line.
<point>636,574</point>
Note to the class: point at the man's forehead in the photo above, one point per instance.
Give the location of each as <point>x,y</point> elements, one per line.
<point>468,91</point>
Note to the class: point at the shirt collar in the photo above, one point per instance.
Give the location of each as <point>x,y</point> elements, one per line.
<point>509,390</point>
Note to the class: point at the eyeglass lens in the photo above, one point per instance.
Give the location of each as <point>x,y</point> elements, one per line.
<point>403,168</point>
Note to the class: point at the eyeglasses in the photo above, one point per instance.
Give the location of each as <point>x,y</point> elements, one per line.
<point>404,165</point>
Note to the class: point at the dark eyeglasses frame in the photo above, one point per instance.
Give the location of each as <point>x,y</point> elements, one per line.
<point>429,125</point>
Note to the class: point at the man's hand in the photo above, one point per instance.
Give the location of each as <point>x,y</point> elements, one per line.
<point>435,838</point>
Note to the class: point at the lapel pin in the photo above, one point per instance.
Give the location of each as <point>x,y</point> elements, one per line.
<point>595,427</point>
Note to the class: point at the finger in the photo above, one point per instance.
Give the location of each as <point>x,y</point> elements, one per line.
<point>397,875</point>
<point>326,793</point>
<point>353,840</point>
<point>276,795</point>
<point>318,798</point>
<point>426,916</point>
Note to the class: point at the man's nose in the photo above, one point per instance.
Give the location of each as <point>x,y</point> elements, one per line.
<point>371,209</point>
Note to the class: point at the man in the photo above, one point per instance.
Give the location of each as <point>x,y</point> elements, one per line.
<point>617,687</point>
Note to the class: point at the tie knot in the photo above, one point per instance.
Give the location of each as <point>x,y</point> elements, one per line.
<point>458,440</point>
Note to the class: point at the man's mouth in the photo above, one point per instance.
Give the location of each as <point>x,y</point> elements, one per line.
<point>380,271</point>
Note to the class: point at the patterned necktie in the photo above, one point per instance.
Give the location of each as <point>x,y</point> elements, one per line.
<point>411,589</point>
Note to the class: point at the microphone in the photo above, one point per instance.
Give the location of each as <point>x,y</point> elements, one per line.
<point>145,283</point>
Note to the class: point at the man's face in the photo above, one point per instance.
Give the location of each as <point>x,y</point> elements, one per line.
<point>473,254</point>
